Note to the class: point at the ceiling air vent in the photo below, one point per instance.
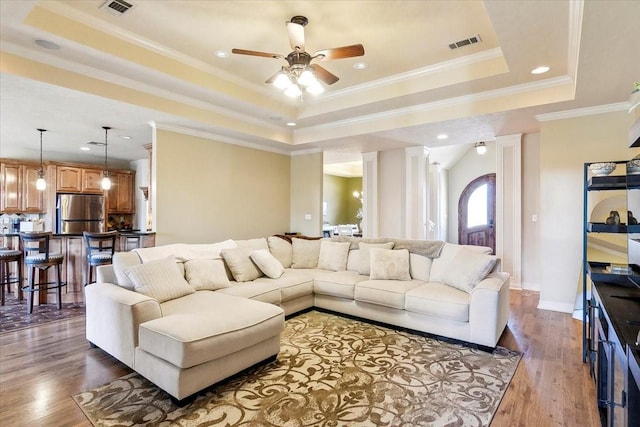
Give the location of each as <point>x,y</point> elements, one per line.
<point>116,7</point>
<point>471,40</point>
<point>99,144</point>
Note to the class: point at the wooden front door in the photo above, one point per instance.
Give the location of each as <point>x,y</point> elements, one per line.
<point>477,213</point>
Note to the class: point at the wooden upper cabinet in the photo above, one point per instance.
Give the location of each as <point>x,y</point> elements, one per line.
<point>121,196</point>
<point>69,179</point>
<point>19,192</point>
<point>91,181</point>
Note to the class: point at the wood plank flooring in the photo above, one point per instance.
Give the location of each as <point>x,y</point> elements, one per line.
<point>41,367</point>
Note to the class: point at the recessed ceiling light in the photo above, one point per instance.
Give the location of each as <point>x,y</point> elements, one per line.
<point>291,123</point>
<point>222,54</point>
<point>85,148</point>
<point>125,137</point>
<point>442,136</point>
<point>47,44</point>
<point>540,70</point>
<point>360,65</point>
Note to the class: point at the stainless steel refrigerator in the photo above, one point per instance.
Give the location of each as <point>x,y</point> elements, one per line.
<point>79,212</point>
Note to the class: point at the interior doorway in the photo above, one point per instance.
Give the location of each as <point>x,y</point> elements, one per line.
<point>477,213</point>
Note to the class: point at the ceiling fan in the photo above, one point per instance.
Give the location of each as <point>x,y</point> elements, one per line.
<point>301,73</point>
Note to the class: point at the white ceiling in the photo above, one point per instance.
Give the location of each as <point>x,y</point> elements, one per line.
<point>156,64</point>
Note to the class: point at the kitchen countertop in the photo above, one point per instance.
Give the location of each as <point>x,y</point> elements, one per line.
<point>131,233</point>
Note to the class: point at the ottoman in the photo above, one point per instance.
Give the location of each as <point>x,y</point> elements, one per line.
<point>184,353</point>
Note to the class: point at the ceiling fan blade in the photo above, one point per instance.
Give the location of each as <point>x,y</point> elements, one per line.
<point>254,53</point>
<point>324,75</point>
<point>296,36</point>
<point>341,52</point>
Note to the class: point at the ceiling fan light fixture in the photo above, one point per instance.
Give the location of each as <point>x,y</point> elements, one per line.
<point>315,88</point>
<point>293,91</point>
<point>282,81</point>
<point>307,78</point>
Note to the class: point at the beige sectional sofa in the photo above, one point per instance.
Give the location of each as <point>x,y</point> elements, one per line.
<point>186,316</point>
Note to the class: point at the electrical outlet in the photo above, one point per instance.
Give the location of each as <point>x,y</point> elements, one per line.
<point>534,218</point>
<point>307,217</point>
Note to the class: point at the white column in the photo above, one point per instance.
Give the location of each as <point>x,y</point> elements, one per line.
<point>416,187</point>
<point>370,194</point>
<point>509,206</point>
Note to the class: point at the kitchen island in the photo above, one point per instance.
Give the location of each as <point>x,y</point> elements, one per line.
<point>74,267</point>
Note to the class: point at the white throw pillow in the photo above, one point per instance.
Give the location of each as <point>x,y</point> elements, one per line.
<point>389,264</point>
<point>333,255</point>
<point>365,260</point>
<point>160,279</point>
<point>206,274</point>
<point>121,261</point>
<point>239,262</point>
<point>468,268</point>
<point>305,253</point>
<point>266,262</point>
<point>281,249</point>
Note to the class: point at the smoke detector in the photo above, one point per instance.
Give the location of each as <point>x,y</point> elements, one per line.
<point>116,7</point>
<point>466,42</point>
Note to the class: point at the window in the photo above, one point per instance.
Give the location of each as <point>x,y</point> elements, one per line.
<point>477,207</point>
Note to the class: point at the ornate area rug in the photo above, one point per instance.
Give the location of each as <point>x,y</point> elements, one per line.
<point>331,371</point>
<point>14,316</point>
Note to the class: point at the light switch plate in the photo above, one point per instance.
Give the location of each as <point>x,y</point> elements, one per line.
<point>307,217</point>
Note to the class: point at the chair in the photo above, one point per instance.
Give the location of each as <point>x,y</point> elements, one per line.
<point>37,255</point>
<point>100,249</point>
<point>6,279</point>
<point>344,230</point>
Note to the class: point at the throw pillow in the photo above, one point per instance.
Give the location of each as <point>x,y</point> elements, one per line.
<point>365,259</point>
<point>281,249</point>
<point>159,279</point>
<point>121,261</point>
<point>206,274</point>
<point>468,268</point>
<point>239,262</point>
<point>266,262</point>
<point>389,264</point>
<point>305,253</point>
<point>333,255</point>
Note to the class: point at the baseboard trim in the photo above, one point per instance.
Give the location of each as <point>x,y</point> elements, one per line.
<point>531,286</point>
<point>556,306</point>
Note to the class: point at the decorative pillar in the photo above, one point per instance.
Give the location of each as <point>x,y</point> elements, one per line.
<point>417,191</point>
<point>370,194</point>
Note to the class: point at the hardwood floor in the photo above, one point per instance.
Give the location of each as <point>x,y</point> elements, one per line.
<point>41,367</point>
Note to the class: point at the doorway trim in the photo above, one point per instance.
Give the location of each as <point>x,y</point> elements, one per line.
<point>509,206</point>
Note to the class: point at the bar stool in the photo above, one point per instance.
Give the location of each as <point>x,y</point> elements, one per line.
<point>6,279</point>
<point>37,255</point>
<point>100,249</point>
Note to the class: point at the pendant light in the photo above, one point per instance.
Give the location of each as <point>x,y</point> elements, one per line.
<point>41,184</point>
<point>106,182</point>
<point>481,147</point>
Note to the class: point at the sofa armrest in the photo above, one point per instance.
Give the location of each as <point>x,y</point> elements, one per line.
<point>489,309</point>
<point>113,316</point>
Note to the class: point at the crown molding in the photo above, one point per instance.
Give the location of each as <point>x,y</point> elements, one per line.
<point>581,112</point>
<point>576,9</point>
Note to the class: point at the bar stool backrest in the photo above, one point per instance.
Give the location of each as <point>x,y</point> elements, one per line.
<point>102,243</point>
<point>34,244</point>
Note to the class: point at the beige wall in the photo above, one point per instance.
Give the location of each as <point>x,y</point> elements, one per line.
<point>306,194</point>
<point>530,206</point>
<point>565,145</point>
<point>207,191</point>
<point>338,193</point>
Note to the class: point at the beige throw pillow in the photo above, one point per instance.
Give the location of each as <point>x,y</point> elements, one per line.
<point>206,274</point>
<point>239,262</point>
<point>281,249</point>
<point>305,253</point>
<point>333,255</point>
<point>389,264</point>
<point>160,279</point>
<point>365,260</point>
<point>267,263</point>
<point>468,268</point>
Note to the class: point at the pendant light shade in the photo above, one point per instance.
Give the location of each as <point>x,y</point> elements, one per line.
<point>106,182</point>
<point>41,184</point>
<point>481,147</point>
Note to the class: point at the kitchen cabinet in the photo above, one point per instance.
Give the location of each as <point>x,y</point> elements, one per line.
<point>19,192</point>
<point>121,196</point>
<point>69,179</point>
<point>129,241</point>
<point>92,181</point>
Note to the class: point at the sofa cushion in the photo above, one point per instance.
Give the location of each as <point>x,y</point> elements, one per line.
<point>305,253</point>
<point>259,290</point>
<point>281,249</point>
<point>365,259</point>
<point>338,283</point>
<point>267,263</point>
<point>160,279</point>
<point>439,300</point>
<point>469,268</point>
<point>255,244</point>
<point>121,261</point>
<point>390,293</point>
<point>353,261</point>
<point>292,284</point>
<point>389,264</point>
<point>420,267</point>
<point>239,262</point>
<point>333,255</point>
<point>189,339</point>
<point>444,262</point>
<point>185,251</point>
<point>206,274</point>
